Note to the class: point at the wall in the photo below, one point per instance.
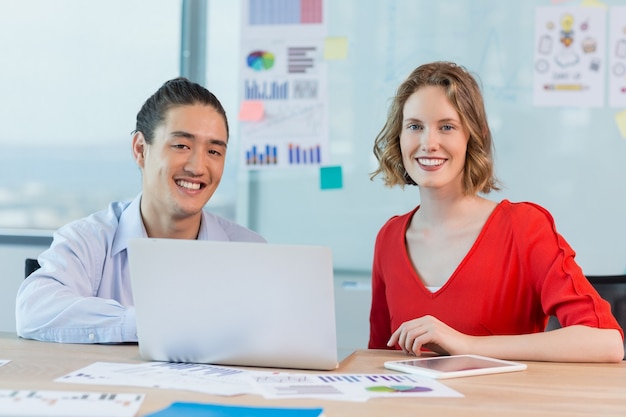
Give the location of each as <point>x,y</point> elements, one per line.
<point>571,160</point>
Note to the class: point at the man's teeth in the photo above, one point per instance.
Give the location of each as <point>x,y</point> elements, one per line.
<point>431,162</point>
<point>188,185</point>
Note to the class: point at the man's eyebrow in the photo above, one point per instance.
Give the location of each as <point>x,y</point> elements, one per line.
<point>219,142</point>
<point>191,136</point>
<point>183,134</point>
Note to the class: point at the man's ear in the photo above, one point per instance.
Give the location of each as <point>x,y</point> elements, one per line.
<point>139,148</point>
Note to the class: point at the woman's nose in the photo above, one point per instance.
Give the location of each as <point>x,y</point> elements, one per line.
<point>429,140</point>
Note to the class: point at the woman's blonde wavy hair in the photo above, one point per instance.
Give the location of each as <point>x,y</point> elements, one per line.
<point>464,93</point>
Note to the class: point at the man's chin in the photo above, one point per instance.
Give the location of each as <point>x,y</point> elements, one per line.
<point>192,204</point>
<point>191,208</point>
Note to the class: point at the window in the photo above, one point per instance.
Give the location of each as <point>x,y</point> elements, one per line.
<point>74,74</point>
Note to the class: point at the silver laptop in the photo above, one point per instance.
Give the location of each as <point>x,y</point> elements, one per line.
<point>234,303</point>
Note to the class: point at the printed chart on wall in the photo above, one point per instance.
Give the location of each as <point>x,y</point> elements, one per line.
<point>570,58</point>
<point>283,111</point>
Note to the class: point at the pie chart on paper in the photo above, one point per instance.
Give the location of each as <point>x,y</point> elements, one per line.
<point>260,60</point>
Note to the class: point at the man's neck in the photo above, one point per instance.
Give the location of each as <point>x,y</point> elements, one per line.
<point>186,228</point>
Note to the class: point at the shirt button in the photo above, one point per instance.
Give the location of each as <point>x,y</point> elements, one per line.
<point>92,336</point>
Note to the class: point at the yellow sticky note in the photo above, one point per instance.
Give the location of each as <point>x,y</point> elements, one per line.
<point>251,111</point>
<point>335,48</point>
<point>592,3</point>
<point>620,119</point>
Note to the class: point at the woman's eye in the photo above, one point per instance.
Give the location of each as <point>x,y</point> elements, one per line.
<point>447,127</point>
<point>414,127</point>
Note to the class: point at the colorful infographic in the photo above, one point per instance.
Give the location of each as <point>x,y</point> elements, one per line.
<point>284,111</point>
<point>570,56</point>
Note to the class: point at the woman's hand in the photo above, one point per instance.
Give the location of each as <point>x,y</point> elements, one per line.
<point>430,333</point>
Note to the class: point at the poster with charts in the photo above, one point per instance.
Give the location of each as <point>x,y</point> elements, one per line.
<point>283,114</point>
<point>617,57</point>
<point>569,56</point>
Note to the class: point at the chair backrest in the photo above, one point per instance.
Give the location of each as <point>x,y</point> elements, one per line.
<point>30,266</point>
<point>613,289</point>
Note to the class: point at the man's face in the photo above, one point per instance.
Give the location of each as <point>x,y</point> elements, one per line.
<point>184,164</point>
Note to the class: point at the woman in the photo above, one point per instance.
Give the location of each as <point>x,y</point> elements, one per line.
<point>462,274</point>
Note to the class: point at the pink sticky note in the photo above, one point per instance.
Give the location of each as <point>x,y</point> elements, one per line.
<point>251,111</point>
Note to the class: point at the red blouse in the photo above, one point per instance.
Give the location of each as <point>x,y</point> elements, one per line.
<point>518,272</point>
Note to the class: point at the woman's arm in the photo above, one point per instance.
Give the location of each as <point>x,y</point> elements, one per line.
<point>569,344</point>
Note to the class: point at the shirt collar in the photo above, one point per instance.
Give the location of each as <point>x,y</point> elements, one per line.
<point>130,226</point>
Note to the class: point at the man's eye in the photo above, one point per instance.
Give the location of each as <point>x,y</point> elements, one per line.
<point>215,152</point>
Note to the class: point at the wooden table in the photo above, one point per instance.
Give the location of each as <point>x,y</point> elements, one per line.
<point>544,389</point>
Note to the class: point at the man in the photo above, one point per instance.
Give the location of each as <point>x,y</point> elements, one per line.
<point>82,292</point>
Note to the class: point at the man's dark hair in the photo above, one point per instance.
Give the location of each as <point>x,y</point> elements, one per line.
<point>176,92</point>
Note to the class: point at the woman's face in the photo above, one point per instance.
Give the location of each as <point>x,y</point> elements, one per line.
<point>433,140</point>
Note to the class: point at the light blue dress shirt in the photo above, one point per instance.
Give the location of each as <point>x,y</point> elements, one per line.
<point>82,292</point>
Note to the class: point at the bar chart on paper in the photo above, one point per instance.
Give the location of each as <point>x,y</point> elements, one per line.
<point>305,155</point>
<point>300,59</point>
<point>262,155</point>
<point>284,74</point>
<point>280,12</point>
<point>266,90</point>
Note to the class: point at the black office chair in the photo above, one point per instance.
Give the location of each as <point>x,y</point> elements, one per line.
<point>30,266</point>
<point>613,289</point>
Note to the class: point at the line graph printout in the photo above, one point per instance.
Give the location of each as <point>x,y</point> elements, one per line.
<point>205,378</point>
<point>27,403</point>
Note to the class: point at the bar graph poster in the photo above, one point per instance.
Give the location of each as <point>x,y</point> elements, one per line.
<point>617,56</point>
<point>570,56</point>
<point>283,70</point>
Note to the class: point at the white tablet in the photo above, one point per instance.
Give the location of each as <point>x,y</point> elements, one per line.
<point>454,366</point>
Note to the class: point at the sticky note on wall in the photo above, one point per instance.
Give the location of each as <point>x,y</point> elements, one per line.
<point>335,48</point>
<point>620,120</point>
<point>592,3</point>
<point>331,178</point>
<point>251,111</point>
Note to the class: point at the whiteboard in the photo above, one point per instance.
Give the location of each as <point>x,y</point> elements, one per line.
<point>571,160</point>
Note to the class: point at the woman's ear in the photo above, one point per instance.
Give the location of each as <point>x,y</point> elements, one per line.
<point>139,148</point>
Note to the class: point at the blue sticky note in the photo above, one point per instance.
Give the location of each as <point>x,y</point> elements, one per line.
<point>331,178</point>
<point>184,409</point>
